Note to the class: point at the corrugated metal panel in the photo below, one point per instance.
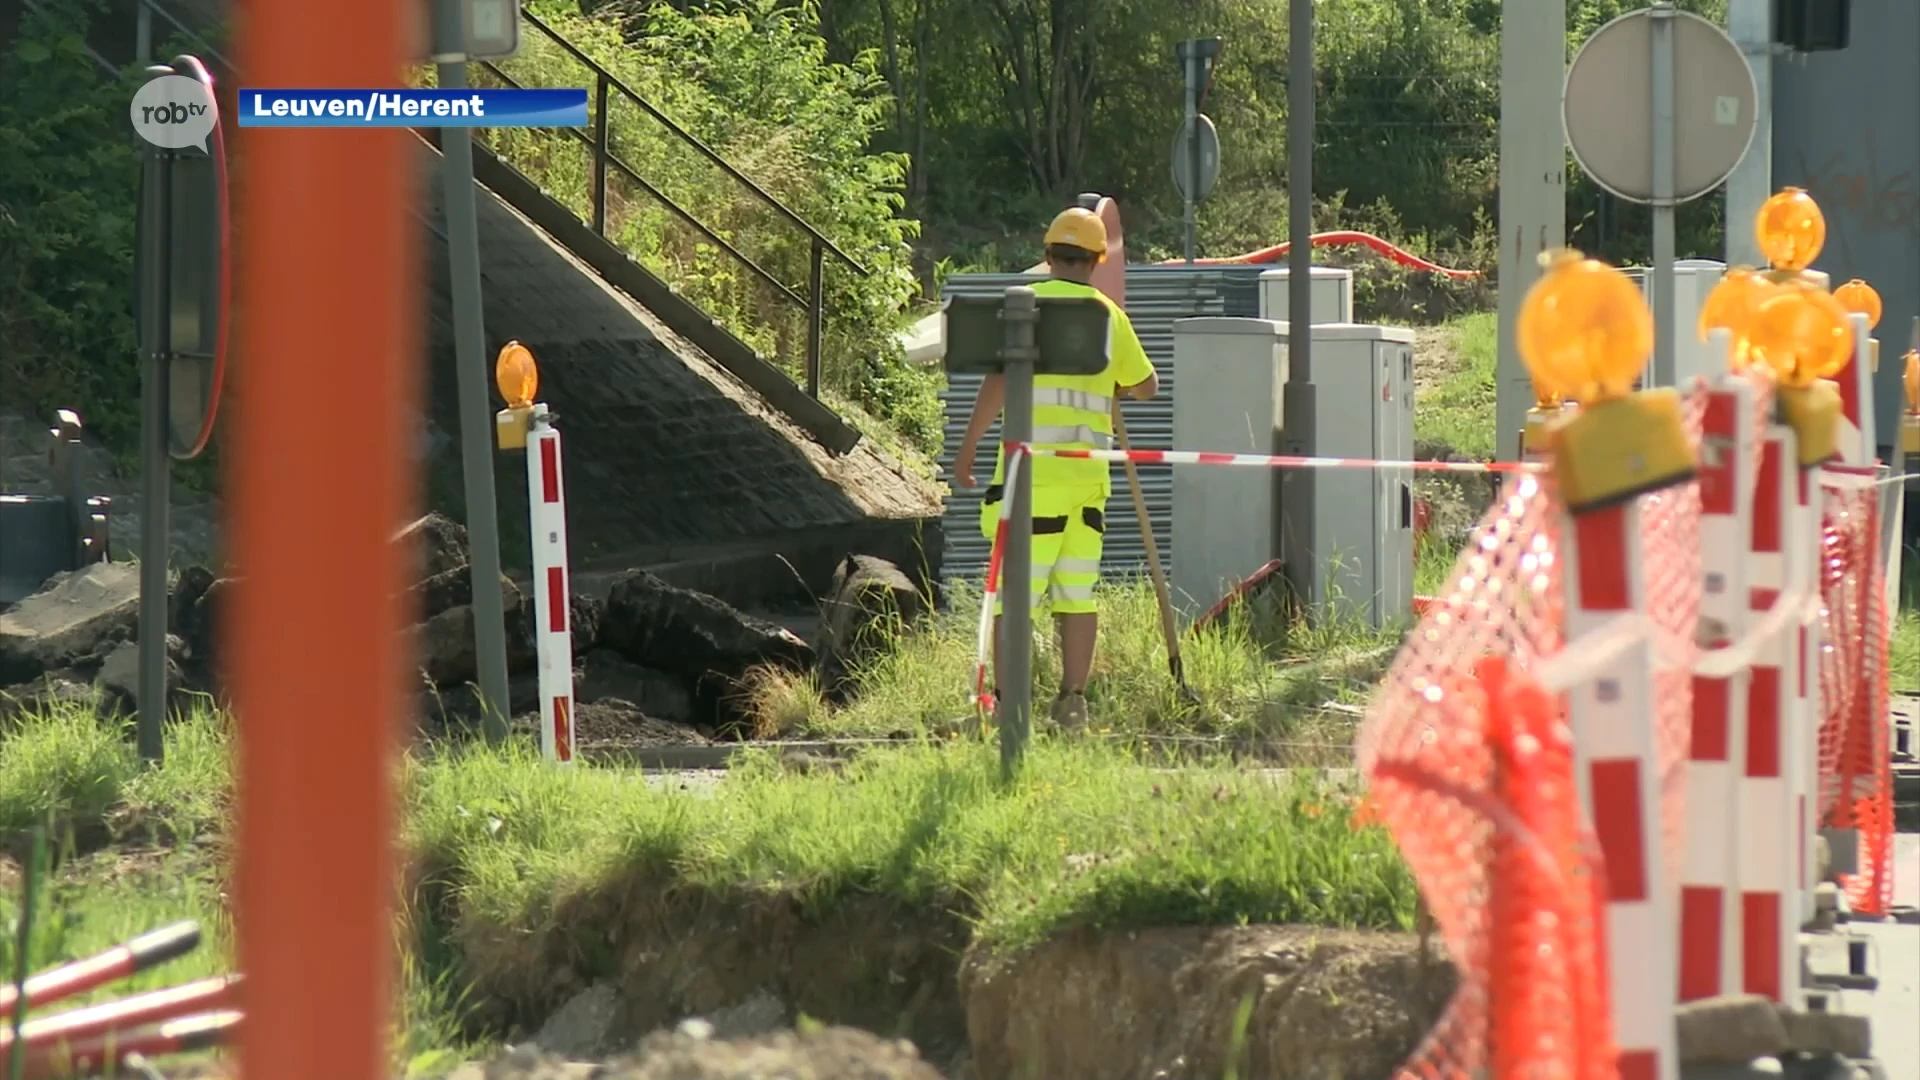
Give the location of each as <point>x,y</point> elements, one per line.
<point>1156,296</point>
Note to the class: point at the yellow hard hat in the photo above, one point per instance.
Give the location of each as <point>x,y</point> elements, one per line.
<point>1080,228</point>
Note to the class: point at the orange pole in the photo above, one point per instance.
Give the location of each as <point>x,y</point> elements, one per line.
<point>325,380</point>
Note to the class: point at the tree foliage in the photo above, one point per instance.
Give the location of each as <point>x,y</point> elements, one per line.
<point>69,174</point>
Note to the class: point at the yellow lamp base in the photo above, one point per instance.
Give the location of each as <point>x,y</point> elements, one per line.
<point>1612,451</point>
<point>1910,434</point>
<point>1534,437</point>
<point>1813,412</point>
<point>510,427</point>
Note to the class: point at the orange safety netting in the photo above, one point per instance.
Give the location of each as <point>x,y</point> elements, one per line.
<point>1470,766</point>
<point>1856,765</point>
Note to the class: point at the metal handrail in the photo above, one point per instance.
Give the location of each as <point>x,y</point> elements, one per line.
<point>694,141</point>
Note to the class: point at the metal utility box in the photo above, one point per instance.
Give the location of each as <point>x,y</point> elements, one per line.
<point>1347,534</point>
<point>1233,378</point>
<point>1332,294</point>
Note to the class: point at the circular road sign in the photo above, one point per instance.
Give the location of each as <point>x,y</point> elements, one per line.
<point>1608,106</point>
<point>1183,158</point>
<point>198,271</point>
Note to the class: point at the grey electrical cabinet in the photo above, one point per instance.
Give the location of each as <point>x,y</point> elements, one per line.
<point>1226,519</point>
<point>1347,534</point>
<point>1332,294</point>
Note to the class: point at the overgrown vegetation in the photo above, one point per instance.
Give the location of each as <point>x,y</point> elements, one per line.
<point>1086,837</point>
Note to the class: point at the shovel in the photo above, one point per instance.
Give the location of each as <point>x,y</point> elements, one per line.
<point>1168,629</point>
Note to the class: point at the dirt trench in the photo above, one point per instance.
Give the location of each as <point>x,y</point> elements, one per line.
<point>1150,1004</point>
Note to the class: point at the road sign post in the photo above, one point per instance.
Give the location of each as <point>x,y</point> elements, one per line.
<point>183,276</point>
<point>1659,109</point>
<point>1017,335</point>
<point>1196,146</point>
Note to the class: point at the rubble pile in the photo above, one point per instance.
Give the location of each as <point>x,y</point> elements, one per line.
<point>653,663</point>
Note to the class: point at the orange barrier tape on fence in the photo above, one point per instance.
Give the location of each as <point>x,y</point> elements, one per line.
<point>318,487</point>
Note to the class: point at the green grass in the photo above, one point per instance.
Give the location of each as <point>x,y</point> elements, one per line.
<point>1455,403</point>
<point>1254,680</point>
<point>1086,836</point>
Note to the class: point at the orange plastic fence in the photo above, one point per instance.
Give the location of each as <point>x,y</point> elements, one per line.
<point>324,401</point>
<point>1856,765</point>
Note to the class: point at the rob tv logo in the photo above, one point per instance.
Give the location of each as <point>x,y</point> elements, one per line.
<point>174,111</point>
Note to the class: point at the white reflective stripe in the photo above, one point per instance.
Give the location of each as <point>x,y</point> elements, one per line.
<point>1071,592</point>
<point>1069,434</point>
<point>1078,566</point>
<point>1072,399</point>
<point>1040,576</point>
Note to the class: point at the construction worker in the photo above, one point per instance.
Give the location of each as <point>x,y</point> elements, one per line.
<point>1069,495</point>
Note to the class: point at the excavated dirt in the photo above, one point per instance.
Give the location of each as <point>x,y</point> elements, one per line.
<point>1156,1004</point>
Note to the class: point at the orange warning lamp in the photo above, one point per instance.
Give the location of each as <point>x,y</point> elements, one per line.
<point>1731,305</point>
<point>1910,424</point>
<point>1859,298</point>
<point>1791,230</point>
<point>518,378</point>
<point>1802,335</point>
<point>1585,331</point>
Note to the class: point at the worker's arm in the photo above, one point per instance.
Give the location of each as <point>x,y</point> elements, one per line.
<point>986,409</point>
<point>1132,371</point>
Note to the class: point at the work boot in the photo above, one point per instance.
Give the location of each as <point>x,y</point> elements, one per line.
<point>1070,712</point>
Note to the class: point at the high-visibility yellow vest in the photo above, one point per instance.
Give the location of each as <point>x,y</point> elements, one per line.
<point>1069,412</point>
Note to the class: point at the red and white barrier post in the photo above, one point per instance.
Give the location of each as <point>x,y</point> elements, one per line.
<point>1611,707</point>
<point>528,425</point>
<point>1775,721</point>
<point>1711,953</point>
<point>553,630</point>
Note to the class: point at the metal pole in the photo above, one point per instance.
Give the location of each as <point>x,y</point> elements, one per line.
<point>156,462</point>
<point>142,32</point>
<point>476,417</point>
<point>1664,340</point>
<point>1750,24</point>
<point>1190,207</point>
<point>600,156</point>
<point>1533,207</point>
<point>1300,184</point>
<point>1014,674</point>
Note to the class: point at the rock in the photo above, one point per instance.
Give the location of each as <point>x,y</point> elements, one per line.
<point>701,639</point>
<point>449,588</point>
<point>1730,1030</point>
<point>584,616</point>
<point>440,544</point>
<point>869,602</point>
<point>1845,1034</point>
<point>613,724</point>
<point>52,691</point>
<point>604,674</point>
<point>581,1028</point>
<point>199,626</point>
<point>73,622</point>
<point>191,585</point>
<point>757,1015</point>
<point>834,1053</point>
<point>1758,1069</point>
<point>118,683</point>
<point>445,648</point>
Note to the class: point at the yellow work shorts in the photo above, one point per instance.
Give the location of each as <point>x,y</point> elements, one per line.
<point>1066,554</point>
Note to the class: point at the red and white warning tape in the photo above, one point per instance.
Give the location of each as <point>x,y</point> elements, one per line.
<point>1282,461</point>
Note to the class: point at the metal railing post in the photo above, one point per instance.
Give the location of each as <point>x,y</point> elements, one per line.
<point>600,156</point>
<point>1014,668</point>
<point>65,456</point>
<point>816,316</point>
